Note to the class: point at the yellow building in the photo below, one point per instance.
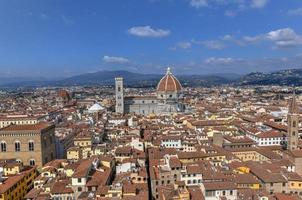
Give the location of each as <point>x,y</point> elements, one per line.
<point>17,181</point>
<point>295,184</point>
<point>74,153</point>
<point>249,155</point>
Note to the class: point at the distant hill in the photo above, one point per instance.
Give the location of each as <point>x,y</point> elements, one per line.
<point>288,77</point>
<point>284,77</point>
<point>144,80</point>
<point>107,78</point>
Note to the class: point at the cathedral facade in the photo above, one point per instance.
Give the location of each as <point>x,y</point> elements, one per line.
<point>166,101</point>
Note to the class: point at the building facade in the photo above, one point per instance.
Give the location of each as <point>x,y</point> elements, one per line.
<point>19,120</point>
<point>166,100</point>
<point>293,124</point>
<point>29,144</point>
<point>119,97</point>
<point>17,181</point>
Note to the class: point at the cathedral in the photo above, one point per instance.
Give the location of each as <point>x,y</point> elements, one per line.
<point>166,100</point>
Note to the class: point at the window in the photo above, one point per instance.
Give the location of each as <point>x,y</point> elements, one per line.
<point>31,146</point>
<point>294,123</point>
<point>294,133</point>
<point>17,146</point>
<point>79,189</point>
<point>3,146</point>
<point>79,180</point>
<point>32,162</point>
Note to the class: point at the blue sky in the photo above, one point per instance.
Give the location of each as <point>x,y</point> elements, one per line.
<point>60,38</point>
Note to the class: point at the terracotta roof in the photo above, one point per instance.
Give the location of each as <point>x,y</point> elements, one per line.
<point>281,196</point>
<point>169,83</point>
<point>27,127</point>
<point>63,93</point>
<point>12,180</point>
<point>223,185</point>
<point>196,193</point>
<point>82,169</point>
<point>61,187</point>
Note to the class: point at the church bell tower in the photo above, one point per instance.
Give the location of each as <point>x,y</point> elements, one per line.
<point>119,95</point>
<point>292,124</point>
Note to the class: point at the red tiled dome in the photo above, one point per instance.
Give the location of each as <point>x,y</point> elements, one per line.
<point>169,83</point>
<point>63,94</point>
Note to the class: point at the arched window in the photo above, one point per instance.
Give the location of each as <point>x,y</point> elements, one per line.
<point>32,162</point>
<point>17,146</point>
<point>3,146</point>
<point>31,146</point>
<point>294,124</point>
<point>50,139</point>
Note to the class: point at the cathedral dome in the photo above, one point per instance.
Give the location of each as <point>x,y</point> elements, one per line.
<point>169,83</point>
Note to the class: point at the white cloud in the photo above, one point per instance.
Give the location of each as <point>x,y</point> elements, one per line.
<point>219,61</point>
<point>259,3</point>
<point>67,20</point>
<point>227,37</point>
<point>286,37</point>
<point>182,45</point>
<point>230,13</point>
<point>239,4</point>
<point>281,38</point>
<point>114,59</point>
<point>297,11</point>
<point>252,39</point>
<point>213,44</point>
<point>148,31</point>
<point>44,16</point>
<point>199,3</point>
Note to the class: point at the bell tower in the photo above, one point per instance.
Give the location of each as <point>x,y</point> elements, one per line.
<point>292,124</point>
<point>119,95</point>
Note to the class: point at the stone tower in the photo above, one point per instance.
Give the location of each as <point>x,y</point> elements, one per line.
<point>119,95</point>
<point>292,124</point>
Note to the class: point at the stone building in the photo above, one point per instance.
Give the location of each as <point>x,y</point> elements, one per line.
<point>166,100</point>
<point>29,144</point>
<point>293,124</point>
